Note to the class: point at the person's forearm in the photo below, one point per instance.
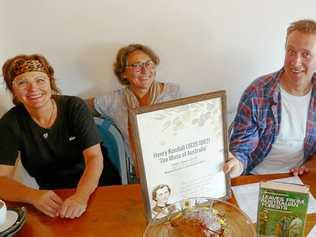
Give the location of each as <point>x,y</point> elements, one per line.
<point>90,178</point>
<point>11,190</point>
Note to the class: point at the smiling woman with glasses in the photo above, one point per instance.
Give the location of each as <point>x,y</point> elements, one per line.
<point>135,67</point>
<point>54,136</point>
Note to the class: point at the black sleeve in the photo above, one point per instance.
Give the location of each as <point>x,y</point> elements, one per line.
<point>8,140</point>
<point>83,123</point>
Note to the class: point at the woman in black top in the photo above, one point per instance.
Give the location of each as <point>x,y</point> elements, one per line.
<point>55,137</point>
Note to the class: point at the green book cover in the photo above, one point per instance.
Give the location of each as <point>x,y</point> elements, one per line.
<point>282,209</point>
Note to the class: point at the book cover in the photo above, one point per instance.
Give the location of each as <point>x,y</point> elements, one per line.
<point>282,209</point>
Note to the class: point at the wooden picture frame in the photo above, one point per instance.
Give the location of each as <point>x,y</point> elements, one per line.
<point>181,147</point>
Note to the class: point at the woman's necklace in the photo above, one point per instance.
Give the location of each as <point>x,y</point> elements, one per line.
<point>51,118</point>
<point>52,115</point>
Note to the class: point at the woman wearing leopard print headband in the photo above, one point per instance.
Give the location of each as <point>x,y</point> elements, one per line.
<point>55,137</point>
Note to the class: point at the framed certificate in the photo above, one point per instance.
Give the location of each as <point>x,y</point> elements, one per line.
<point>181,147</point>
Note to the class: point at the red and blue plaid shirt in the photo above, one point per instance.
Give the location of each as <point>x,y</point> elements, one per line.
<point>257,122</point>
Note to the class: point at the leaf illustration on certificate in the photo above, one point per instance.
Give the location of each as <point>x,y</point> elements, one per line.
<point>173,120</point>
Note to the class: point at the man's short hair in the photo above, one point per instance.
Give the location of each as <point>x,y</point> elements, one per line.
<point>307,26</point>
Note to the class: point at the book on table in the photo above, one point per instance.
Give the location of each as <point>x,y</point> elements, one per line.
<point>282,209</point>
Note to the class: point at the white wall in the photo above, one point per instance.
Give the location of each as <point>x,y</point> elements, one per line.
<point>5,99</point>
<point>204,45</point>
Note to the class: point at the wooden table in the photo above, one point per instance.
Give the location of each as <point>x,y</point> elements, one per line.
<point>118,211</point>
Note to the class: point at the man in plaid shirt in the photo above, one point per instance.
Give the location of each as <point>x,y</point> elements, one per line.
<point>274,130</point>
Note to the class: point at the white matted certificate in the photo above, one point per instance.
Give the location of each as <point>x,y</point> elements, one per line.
<point>181,147</point>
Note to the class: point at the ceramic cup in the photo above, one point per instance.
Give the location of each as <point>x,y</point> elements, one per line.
<point>3,212</point>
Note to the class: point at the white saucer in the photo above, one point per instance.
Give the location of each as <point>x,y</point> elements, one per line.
<point>12,217</point>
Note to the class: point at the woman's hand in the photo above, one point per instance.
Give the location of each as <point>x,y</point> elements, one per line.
<point>74,206</point>
<point>299,170</point>
<point>47,202</point>
<point>233,166</point>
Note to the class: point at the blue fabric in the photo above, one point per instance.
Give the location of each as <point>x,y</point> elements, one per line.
<point>117,148</point>
<point>109,142</point>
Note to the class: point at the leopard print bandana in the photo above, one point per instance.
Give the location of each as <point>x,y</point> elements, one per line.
<point>27,66</point>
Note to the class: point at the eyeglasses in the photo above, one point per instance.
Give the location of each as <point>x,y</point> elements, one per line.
<point>23,84</point>
<point>139,66</point>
